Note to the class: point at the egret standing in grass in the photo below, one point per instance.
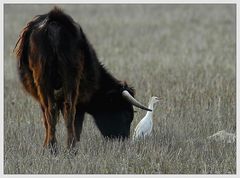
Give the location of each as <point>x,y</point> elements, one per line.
<point>144,127</point>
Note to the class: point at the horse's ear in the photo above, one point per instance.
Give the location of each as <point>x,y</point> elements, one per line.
<point>130,89</point>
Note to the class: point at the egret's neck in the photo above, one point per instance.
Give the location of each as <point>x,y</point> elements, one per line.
<point>150,106</point>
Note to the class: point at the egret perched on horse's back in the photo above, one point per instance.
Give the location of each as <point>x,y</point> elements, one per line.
<point>145,126</point>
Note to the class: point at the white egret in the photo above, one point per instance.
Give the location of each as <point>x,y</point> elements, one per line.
<point>144,127</point>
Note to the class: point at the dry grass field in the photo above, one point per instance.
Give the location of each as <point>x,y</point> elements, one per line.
<point>186,54</point>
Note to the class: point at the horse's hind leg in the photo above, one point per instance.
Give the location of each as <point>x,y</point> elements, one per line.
<point>50,115</point>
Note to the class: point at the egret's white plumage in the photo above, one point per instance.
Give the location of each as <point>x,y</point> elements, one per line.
<point>145,126</point>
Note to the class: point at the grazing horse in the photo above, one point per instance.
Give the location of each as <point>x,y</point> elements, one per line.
<point>58,66</point>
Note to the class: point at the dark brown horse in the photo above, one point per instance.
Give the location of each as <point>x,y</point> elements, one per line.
<point>58,66</point>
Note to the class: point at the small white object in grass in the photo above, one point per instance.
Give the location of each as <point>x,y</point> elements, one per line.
<point>144,127</point>
<point>223,136</point>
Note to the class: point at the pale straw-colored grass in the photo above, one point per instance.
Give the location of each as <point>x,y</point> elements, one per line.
<point>185,54</point>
